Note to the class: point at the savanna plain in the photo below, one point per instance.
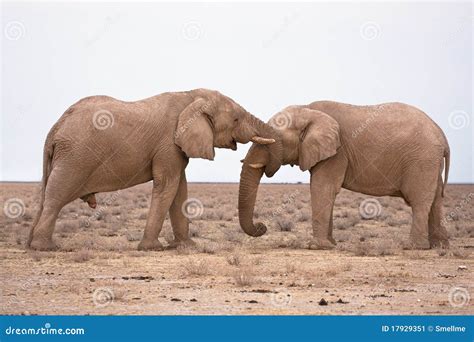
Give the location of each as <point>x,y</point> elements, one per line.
<point>98,269</point>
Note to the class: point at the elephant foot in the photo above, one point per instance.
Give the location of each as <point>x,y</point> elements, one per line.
<point>317,243</point>
<point>417,243</point>
<point>188,243</point>
<point>150,245</point>
<point>439,243</point>
<point>43,245</point>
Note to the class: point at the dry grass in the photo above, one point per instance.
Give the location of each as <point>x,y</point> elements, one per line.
<point>196,268</point>
<point>228,270</point>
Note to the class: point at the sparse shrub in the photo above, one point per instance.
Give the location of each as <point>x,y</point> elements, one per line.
<point>243,277</point>
<point>304,216</point>
<point>234,259</point>
<point>82,255</point>
<point>196,268</point>
<point>208,247</point>
<point>285,225</point>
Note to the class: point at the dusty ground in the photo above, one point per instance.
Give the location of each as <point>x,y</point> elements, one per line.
<point>99,271</point>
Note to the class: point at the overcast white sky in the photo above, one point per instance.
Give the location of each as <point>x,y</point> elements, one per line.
<point>265,56</point>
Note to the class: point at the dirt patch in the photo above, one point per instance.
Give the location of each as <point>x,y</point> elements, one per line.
<point>99,271</point>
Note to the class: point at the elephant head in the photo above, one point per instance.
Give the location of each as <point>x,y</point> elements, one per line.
<point>214,120</point>
<point>307,137</point>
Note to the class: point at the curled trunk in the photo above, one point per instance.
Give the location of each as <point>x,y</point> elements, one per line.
<point>249,181</point>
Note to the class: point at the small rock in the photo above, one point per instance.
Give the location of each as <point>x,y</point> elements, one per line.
<point>252,301</point>
<point>462,268</point>
<point>176,300</point>
<point>323,302</point>
<point>193,300</point>
<point>362,239</point>
<point>340,301</point>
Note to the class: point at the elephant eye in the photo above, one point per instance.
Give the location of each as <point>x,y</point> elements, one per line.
<point>236,120</point>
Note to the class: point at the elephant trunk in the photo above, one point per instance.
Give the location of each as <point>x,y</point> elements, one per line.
<point>253,126</point>
<point>249,181</point>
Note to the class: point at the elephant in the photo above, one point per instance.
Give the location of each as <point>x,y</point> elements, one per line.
<point>390,149</point>
<point>103,144</point>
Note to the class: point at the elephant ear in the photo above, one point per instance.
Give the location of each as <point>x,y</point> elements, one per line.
<point>319,137</point>
<point>194,133</point>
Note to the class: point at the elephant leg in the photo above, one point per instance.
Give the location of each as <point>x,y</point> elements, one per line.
<point>419,189</point>
<point>419,230</point>
<point>438,235</point>
<point>179,221</point>
<point>326,181</point>
<point>42,233</point>
<point>331,227</point>
<point>57,195</point>
<point>163,193</point>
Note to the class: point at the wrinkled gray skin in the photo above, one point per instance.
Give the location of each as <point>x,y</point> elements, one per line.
<point>391,149</point>
<point>104,144</point>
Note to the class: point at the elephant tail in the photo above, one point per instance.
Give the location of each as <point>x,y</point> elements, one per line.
<point>47,161</point>
<point>446,168</point>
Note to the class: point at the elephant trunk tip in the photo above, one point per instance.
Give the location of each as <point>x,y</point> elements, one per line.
<point>258,230</point>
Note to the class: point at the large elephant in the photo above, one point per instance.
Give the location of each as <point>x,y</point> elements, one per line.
<point>390,149</point>
<point>103,144</point>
